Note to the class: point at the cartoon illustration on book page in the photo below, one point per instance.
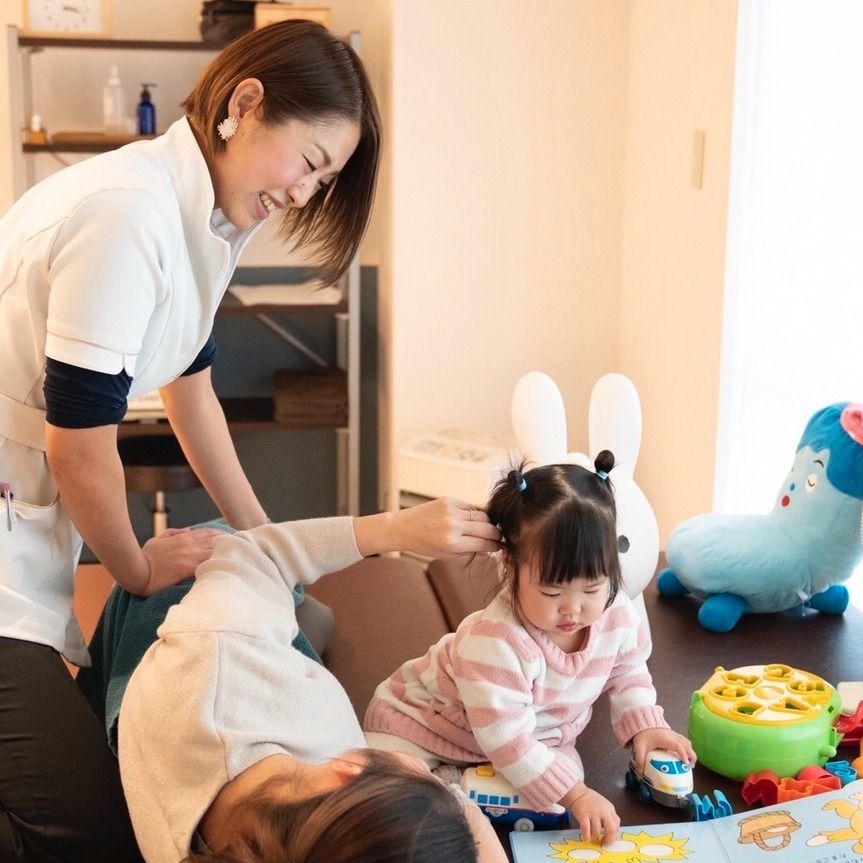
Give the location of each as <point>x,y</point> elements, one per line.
<point>769,831</point>
<point>853,812</point>
<point>805,830</point>
<point>629,848</point>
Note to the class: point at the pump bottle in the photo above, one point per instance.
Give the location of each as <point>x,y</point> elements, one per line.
<point>146,112</point>
<point>113,119</point>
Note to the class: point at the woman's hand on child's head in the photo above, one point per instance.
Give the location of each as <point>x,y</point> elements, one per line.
<point>597,818</point>
<point>448,526</point>
<point>442,526</point>
<point>661,738</point>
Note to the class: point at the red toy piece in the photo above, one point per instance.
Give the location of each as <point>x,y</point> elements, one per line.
<point>851,727</point>
<point>813,773</point>
<point>761,788</point>
<point>765,788</point>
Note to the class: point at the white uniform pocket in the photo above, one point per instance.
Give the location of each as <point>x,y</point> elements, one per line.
<point>39,549</point>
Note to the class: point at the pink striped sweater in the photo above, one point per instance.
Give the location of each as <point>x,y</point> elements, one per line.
<point>500,690</point>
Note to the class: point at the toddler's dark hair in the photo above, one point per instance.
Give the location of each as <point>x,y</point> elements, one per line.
<point>563,517</point>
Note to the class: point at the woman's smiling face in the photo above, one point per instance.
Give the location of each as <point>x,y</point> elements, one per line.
<point>265,169</point>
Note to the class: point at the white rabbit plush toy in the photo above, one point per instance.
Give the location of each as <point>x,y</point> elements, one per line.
<point>614,423</point>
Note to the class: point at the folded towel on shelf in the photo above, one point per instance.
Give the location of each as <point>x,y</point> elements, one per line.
<point>318,397</point>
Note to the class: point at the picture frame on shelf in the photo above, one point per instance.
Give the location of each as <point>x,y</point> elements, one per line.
<point>89,19</point>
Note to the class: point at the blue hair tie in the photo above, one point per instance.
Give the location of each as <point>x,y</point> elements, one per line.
<point>522,484</point>
<point>602,474</point>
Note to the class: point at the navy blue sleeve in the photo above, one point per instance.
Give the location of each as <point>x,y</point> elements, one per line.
<point>78,398</point>
<point>206,357</point>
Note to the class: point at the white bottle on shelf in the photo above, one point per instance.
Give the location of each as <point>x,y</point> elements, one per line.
<point>113,104</point>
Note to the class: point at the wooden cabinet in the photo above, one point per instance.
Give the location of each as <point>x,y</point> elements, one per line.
<point>338,365</point>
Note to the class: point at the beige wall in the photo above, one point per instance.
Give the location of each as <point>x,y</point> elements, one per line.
<point>535,208</point>
<point>507,146</point>
<point>681,76</point>
<point>10,13</point>
<point>544,217</point>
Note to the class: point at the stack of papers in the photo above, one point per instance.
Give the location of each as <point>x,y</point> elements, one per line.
<point>302,294</point>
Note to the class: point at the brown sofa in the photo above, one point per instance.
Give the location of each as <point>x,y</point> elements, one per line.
<point>388,610</point>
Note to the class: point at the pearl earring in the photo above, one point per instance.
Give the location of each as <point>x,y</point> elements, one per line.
<point>228,127</point>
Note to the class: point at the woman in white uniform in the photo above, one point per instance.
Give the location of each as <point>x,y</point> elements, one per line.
<point>111,272</point>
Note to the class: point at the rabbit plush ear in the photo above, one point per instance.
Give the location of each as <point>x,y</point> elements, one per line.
<point>614,420</point>
<point>539,419</point>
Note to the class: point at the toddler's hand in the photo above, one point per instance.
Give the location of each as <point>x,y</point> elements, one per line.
<point>595,815</point>
<point>661,738</point>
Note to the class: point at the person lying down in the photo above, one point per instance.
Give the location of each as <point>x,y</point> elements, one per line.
<point>235,746</point>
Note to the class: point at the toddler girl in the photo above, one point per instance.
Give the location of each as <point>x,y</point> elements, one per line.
<point>515,684</point>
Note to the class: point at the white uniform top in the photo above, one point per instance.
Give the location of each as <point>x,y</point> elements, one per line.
<point>117,262</point>
<point>224,688</point>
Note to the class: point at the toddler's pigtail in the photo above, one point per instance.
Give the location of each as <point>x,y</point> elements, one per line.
<point>603,464</point>
<point>517,479</point>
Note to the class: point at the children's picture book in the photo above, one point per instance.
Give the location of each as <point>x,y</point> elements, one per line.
<point>825,828</point>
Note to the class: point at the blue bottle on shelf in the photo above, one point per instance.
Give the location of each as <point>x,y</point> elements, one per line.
<point>146,112</point>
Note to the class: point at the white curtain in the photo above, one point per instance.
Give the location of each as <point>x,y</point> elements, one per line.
<point>794,274</point>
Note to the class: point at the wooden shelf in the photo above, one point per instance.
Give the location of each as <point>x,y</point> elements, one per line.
<point>84,142</point>
<point>90,142</point>
<point>25,41</point>
<point>232,306</point>
<point>251,414</point>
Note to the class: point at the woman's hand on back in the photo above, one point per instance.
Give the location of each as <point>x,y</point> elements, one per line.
<point>175,555</point>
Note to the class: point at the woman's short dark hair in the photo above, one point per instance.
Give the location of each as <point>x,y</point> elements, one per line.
<point>308,74</point>
<point>561,516</point>
<point>388,814</point>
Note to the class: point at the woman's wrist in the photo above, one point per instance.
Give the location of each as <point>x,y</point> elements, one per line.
<point>247,519</point>
<point>376,533</point>
<point>136,579</point>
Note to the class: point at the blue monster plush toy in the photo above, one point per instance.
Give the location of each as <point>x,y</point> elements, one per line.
<point>797,553</point>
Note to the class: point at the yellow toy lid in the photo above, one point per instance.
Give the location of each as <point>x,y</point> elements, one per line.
<point>773,694</point>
